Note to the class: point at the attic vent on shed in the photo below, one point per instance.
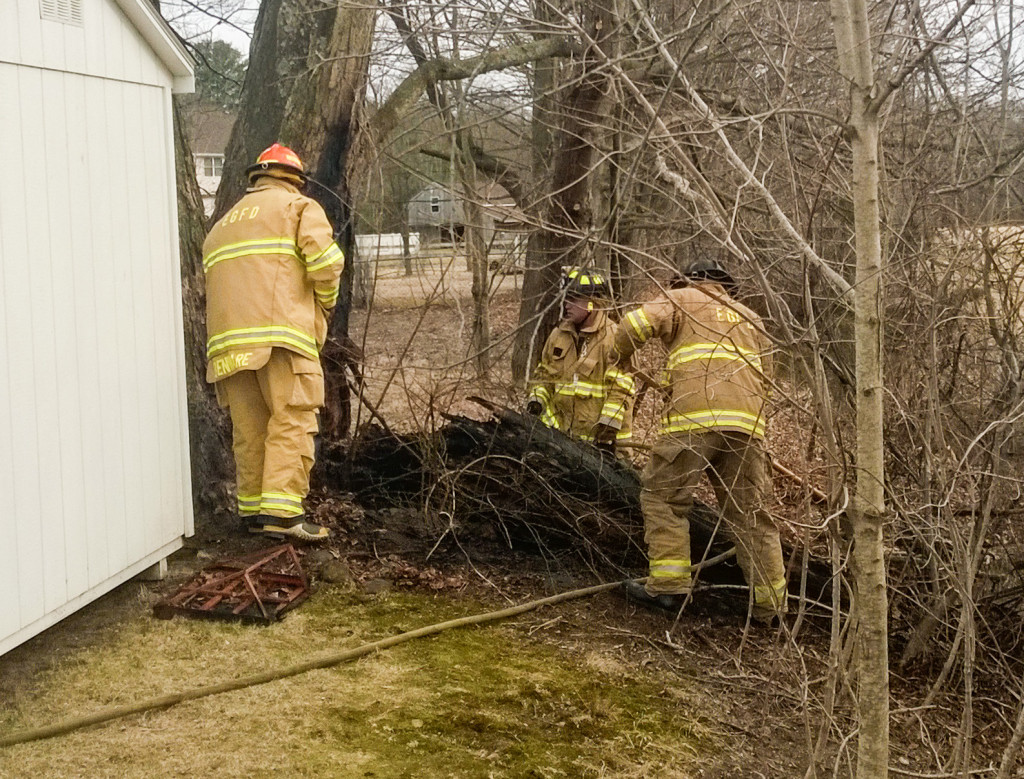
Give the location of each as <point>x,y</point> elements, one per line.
<point>66,11</point>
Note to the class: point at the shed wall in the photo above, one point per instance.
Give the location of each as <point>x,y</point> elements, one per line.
<point>93,422</point>
<point>106,44</point>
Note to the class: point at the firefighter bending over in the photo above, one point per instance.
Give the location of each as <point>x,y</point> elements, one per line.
<point>272,271</point>
<point>576,388</point>
<point>718,373</point>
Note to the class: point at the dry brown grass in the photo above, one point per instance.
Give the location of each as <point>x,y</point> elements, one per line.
<point>481,702</point>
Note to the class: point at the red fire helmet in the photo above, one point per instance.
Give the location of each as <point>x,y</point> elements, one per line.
<point>279,161</point>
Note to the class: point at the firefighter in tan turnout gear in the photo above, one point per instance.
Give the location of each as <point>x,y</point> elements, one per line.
<point>272,271</point>
<point>576,388</point>
<point>718,369</point>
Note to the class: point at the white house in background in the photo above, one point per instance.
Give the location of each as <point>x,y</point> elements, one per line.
<point>94,466</point>
<point>209,129</point>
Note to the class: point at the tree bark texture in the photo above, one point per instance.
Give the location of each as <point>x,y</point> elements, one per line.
<point>209,433</point>
<point>538,275</point>
<point>567,215</point>
<point>871,601</point>
<point>476,254</point>
<point>323,111</point>
<point>280,30</point>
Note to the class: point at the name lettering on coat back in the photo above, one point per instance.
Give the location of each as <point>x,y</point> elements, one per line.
<point>232,362</point>
<point>723,314</point>
<point>249,212</point>
<point>727,315</point>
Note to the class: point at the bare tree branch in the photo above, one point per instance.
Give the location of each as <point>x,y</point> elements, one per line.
<point>408,92</point>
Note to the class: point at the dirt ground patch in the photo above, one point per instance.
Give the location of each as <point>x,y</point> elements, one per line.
<point>416,341</point>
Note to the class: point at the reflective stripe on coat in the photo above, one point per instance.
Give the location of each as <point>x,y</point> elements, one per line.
<point>272,272</point>
<point>719,359</point>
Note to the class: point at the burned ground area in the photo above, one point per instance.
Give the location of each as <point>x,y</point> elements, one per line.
<point>731,690</point>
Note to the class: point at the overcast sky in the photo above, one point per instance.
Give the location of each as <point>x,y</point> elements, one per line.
<point>227,20</point>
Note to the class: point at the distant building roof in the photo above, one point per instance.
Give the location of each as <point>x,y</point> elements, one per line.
<point>209,129</point>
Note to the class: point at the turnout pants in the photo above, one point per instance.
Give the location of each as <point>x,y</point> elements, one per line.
<point>274,420</point>
<point>737,466</point>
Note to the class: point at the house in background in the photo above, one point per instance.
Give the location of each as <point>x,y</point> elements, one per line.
<point>208,132</point>
<point>437,213</point>
<point>94,452</point>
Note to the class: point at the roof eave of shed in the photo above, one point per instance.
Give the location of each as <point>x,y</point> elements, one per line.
<point>168,47</point>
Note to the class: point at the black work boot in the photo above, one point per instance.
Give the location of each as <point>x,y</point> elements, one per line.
<point>768,616</point>
<point>636,593</point>
<point>290,527</point>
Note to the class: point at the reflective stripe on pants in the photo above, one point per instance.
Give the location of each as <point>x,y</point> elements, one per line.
<point>273,420</point>
<point>736,465</point>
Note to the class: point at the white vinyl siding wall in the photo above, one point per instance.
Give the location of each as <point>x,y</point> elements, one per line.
<point>105,44</point>
<point>93,424</point>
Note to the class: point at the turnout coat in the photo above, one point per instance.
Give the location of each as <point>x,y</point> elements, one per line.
<point>272,272</point>
<point>719,359</point>
<point>579,385</point>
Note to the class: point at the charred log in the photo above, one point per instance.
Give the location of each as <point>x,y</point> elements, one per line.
<point>528,485</point>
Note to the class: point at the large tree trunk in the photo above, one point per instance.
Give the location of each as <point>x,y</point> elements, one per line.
<point>323,110</point>
<point>276,57</point>
<point>539,277</point>
<point>568,214</point>
<point>209,435</point>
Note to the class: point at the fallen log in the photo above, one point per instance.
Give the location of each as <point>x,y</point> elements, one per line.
<point>530,485</point>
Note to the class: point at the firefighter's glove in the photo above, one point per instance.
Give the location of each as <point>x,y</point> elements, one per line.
<point>604,437</point>
<point>534,407</point>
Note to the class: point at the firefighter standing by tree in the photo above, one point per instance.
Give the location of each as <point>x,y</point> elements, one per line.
<point>576,388</point>
<point>718,372</point>
<point>272,272</point>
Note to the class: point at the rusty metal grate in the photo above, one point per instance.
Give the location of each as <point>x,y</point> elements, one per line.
<point>258,587</point>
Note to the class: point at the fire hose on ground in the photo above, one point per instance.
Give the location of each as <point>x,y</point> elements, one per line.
<point>327,661</point>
